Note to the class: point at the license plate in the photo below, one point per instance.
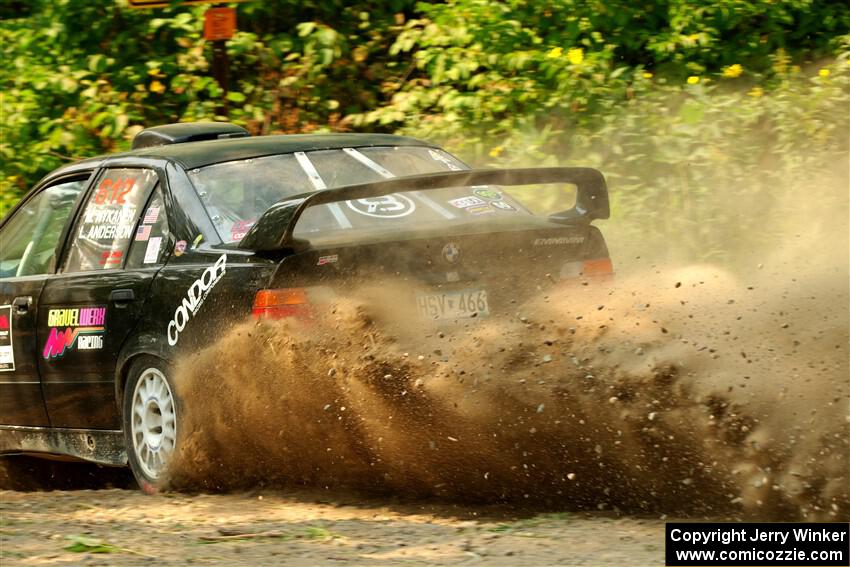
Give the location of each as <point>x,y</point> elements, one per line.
<point>453,304</point>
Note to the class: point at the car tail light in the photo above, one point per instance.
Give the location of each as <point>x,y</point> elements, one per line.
<point>282,303</point>
<point>595,268</point>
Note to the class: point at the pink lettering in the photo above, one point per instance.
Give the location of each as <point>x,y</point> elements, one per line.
<point>58,341</point>
<point>92,316</point>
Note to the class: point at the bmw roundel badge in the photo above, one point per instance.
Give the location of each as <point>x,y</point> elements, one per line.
<point>451,253</point>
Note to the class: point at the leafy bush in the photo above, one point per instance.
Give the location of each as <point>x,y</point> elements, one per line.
<point>698,113</point>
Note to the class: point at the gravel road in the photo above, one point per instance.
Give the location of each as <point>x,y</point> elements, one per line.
<point>301,528</point>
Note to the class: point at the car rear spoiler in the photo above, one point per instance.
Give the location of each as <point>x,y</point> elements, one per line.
<point>274,230</point>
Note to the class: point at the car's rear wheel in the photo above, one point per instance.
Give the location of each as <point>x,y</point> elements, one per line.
<point>151,412</point>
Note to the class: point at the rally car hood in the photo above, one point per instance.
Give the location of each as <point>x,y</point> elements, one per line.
<point>274,231</point>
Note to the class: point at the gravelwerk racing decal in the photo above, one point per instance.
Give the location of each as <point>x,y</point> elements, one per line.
<point>7,352</point>
<point>80,327</point>
<point>195,297</point>
<point>385,207</point>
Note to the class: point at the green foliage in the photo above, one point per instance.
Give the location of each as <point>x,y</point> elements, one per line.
<point>706,119</point>
<point>677,101</point>
<point>84,544</point>
<point>69,95</point>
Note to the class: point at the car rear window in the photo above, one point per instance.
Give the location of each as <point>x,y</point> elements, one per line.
<point>237,193</point>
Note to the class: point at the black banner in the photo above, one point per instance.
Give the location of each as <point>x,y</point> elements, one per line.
<point>761,544</point>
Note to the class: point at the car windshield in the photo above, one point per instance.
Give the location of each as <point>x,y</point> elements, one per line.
<point>237,193</point>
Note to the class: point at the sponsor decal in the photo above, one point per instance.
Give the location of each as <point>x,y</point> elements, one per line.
<point>180,248</point>
<point>332,259</point>
<point>558,240</point>
<point>195,297</point>
<point>82,328</point>
<point>501,205</point>
<point>386,207</point>
<point>451,253</point>
<point>151,215</point>
<point>111,258</point>
<point>152,251</point>
<point>464,202</point>
<point>7,352</point>
<point>240,229</point>
<point>143,232</point>
<point>487,193</point>
<point>480,210</point>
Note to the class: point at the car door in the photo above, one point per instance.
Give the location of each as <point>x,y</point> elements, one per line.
<point>88,309</point>
<point>30,239</point>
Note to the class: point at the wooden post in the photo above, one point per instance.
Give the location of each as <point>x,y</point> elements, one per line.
<point>219,25</point>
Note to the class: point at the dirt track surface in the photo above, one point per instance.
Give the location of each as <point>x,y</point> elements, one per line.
<point>307,529</point>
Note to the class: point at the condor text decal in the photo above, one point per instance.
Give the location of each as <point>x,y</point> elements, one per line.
<point>195,297</point>
<point>82,328</point>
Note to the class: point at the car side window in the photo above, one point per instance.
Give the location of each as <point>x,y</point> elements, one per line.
<point>29,239</point>
<point>151,236</point>
<point>106,226</point>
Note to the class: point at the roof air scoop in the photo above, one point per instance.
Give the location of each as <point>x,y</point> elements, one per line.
<point>187,132</point>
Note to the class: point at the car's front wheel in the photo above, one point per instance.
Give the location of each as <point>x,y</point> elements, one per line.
<point>151,412</point>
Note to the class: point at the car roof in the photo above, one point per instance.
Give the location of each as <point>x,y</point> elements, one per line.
<point>198,154</point>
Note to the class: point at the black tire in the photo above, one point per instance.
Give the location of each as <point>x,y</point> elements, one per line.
<point>151,412</point>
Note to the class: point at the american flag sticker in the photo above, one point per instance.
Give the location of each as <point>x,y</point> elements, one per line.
<point>151,215</point>
<point>143,233</point>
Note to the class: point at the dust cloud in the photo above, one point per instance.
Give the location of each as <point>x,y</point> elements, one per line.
<point>680,391</point>
<point>688,389</point>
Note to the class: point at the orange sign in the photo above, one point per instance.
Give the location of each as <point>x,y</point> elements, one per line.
<point>219,23</point>
<point>166,3</point>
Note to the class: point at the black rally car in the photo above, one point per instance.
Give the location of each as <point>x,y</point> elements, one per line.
<point>112,267</point>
